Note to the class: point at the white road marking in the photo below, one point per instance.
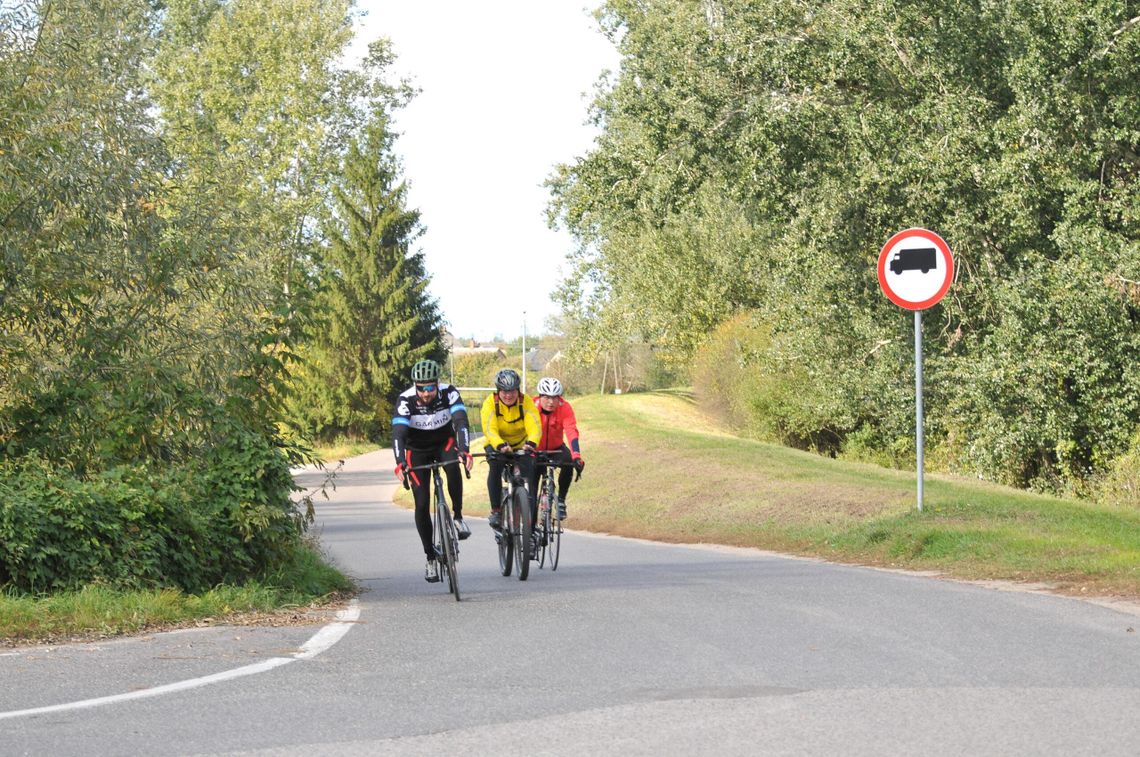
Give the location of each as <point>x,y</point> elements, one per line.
<point>319,642</point>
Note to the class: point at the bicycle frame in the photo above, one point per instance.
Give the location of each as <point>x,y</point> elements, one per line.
<point>444,534</point>
<point>514,533</point>
<point>549,524</point>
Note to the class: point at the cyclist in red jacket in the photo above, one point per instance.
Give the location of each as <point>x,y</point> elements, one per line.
<point>558,420</point>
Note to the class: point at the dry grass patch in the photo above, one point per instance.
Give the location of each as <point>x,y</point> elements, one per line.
<point>658,469</point>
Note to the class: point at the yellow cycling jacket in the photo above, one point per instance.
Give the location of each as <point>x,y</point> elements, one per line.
<point>510,425</point>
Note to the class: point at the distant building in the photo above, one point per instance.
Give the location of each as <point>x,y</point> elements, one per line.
<point>542,360</point>
<point>470,346</point>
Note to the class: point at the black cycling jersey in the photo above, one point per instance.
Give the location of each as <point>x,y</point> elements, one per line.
<point>428,427</point>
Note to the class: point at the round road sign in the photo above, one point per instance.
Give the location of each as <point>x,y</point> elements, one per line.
<point>915,268</point>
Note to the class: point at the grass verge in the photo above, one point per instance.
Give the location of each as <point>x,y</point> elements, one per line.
<point>658,469</point>
<point>295,593</point>
<point>344,448</point>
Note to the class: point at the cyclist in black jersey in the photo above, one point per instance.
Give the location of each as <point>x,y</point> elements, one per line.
<point>430,425</point>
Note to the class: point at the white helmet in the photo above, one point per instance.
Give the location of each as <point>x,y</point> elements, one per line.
<point>550,387</point>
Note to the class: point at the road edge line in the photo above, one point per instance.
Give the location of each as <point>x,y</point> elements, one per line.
<point>319,642</point>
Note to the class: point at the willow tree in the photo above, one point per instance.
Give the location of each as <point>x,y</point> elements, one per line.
<point>88,276</point>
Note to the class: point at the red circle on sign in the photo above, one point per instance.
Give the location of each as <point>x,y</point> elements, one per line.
<point>942,247</point>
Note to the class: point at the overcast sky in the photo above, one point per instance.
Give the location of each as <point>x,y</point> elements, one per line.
<point>505,88</point>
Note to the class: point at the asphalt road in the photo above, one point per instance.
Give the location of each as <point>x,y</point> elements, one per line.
<point>630,648</point>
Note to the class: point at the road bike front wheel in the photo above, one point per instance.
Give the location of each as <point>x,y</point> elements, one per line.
<point>503,537</point>
<point>521,530</point>
<point>554,540</point>
<point>543,526</point>
<point>450,543</point>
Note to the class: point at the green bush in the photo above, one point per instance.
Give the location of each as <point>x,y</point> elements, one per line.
<point>191,526</point>
<point>740,376</point>
<point>1050,396</point>
<point>721,368</point>
<point>478,368</point>
<point>869,444</point>
<point>1121,485</point>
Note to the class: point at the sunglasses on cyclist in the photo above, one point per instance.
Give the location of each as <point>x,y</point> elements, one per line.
<point>425,388</point>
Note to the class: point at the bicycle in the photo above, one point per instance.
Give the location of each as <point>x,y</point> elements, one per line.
<point>446,537</point>
<point>514,532</point>
<point>549,524</point>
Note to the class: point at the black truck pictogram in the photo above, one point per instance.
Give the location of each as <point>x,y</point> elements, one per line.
<point>916,259</point>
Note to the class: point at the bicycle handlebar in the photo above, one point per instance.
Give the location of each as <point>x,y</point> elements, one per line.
<point>433,466</point>
<point>547,460</point>
<point>496,455</point>
<point>436,464</point>
<point>541,458</point>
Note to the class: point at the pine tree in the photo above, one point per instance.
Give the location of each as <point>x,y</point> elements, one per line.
<point>374,314</point>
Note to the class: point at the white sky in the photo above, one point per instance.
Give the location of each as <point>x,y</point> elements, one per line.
<point>505,88</point>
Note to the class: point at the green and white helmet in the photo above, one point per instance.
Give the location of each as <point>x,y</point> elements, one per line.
<point>426,370</point>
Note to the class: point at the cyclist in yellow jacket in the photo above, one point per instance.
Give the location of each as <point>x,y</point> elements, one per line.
<point>510,423</point>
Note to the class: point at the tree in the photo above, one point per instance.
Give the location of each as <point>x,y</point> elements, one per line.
<point>137,442</point>
<point>88,278</point>
<point>798,137</point>
<point>375,317</point>
<point>164,171</point>
<point>258,112</point>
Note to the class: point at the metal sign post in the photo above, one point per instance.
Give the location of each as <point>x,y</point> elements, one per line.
<point>915,270</point>
<point>918,397</point>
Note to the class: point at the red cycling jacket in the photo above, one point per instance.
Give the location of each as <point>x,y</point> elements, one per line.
<point>556,423</point>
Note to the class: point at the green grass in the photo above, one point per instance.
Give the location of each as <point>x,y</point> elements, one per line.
<point>344,448</point>
<point>658,469</point>
<point>97,612</point>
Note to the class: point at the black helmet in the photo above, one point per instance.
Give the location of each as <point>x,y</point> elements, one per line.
<point>426,370</point>
<point>507,379</point>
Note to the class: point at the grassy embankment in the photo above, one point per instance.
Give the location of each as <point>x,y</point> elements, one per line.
<point>293,594</point>
<point>658,469</point>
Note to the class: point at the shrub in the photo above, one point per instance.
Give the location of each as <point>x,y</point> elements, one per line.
<point>721,368</point>
<point>1049,396</point>
<point>217,519</point>
<point>740,376</point>
<point>478,368</point>
<point>1121,485</point>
